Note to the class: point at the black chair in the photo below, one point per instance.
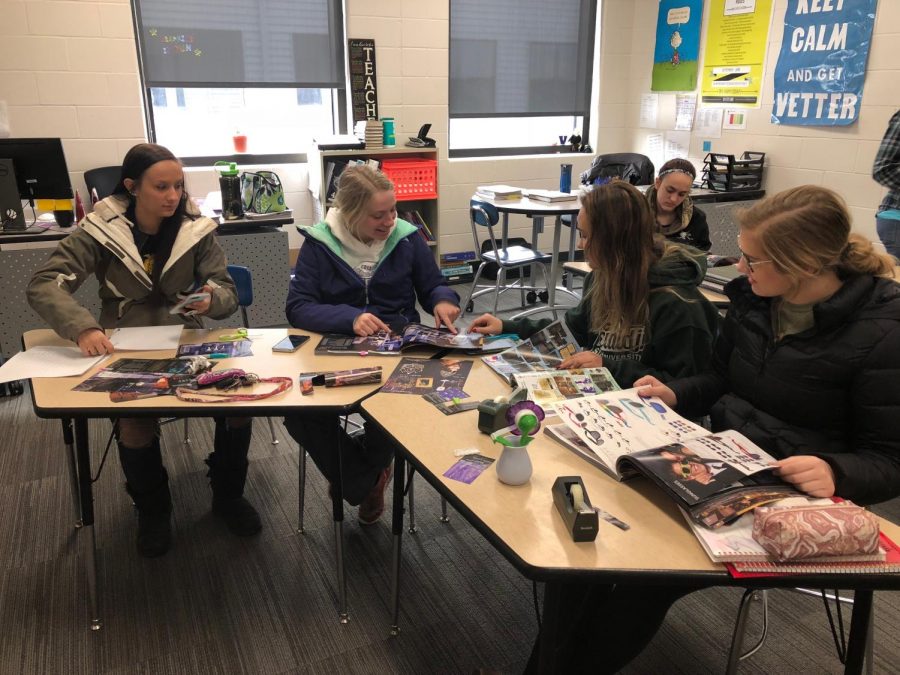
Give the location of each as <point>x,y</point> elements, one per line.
<point>633,167</point>
<point>101,181</point>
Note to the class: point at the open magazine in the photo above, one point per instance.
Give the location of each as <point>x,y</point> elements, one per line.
<point>551,386</point>
<point>393,342</point>
<point>713,477</point>
<point>544,350</point>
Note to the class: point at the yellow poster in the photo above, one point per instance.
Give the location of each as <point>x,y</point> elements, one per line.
<point>736,36</point>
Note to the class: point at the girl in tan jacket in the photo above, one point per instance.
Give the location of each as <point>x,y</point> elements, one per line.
<point>147,245</point>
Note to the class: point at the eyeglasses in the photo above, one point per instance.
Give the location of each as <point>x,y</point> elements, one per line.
<point>751,264</point>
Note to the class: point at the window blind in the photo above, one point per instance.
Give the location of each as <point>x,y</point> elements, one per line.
<point>520,57</point>
<point>230,43</point>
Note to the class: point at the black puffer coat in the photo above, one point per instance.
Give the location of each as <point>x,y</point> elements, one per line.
<point>832,391</point>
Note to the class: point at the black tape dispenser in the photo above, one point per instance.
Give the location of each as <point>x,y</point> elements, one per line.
<point>572,502</point>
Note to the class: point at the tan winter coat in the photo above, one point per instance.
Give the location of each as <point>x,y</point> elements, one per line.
<point>103,245</point>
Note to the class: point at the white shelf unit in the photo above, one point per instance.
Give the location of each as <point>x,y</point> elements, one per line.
<point>318,160</point>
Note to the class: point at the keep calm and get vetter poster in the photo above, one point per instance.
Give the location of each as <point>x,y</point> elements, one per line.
<point>736,36</point>
<point>675,58</point>
<point>822,66</point>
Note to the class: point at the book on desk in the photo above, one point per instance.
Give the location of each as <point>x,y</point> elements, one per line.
<point>551,196</point>
<point>498,192</point>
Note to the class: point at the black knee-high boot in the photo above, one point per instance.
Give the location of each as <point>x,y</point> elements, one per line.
<point>148,484</point>
<point>227,475</point>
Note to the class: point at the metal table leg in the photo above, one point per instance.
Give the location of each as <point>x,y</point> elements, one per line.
<point>301,490</point>
<point>397,529</point>
<point>860,625</point>
<point>69,441</point>
<point>87,516</point>
<point>337,511</point>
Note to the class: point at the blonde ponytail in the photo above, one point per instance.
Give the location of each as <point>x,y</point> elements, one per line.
<point>861,257</point>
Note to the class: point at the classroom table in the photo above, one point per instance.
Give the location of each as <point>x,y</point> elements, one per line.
<point>523,525</point>
<point>537,211</point>
<point>53,398</point>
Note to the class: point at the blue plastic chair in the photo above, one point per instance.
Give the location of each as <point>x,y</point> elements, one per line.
<point>243,283</point>
<point>484,216</point>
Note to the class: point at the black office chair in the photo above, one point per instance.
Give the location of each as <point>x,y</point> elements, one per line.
<point>633,167</point>
<point>484,216</point>
<point>102,181</point>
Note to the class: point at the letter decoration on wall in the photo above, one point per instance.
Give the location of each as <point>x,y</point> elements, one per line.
<point>822,66</point>
<point>363,83</point>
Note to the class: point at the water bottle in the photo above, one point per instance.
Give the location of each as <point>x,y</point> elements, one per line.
<point>230,187</point>
<point>389,138</point>
<point>565,177</point>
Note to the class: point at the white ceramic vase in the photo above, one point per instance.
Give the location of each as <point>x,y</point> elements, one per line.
<point>514,465</point>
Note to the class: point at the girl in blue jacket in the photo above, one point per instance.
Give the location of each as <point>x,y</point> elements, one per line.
<point>360,272</point>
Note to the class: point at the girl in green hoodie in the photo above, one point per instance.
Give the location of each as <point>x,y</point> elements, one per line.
<point>641,312</point>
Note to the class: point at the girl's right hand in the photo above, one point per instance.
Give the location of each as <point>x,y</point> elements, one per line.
<point>94,342</point>
<point>486,324</point>
<point>368,324</point>
<point>651,386</point>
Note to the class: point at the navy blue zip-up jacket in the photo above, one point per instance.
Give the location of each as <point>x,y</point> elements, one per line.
<point>326,295</point>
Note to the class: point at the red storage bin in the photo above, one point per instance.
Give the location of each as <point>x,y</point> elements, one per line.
<point>413,178</point>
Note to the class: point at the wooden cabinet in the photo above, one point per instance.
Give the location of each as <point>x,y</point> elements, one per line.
<point>323,163</point>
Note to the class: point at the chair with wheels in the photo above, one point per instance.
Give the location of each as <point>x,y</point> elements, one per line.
<point>483,217</point>
<point>101,181</point>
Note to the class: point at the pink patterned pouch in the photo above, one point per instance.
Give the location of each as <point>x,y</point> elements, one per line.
<point>799,532</point>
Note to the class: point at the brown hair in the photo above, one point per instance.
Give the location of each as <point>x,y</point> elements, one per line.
<point>806,230</point>
<point>677,164</point>
<point>622,245</point>
<point>356,186</point>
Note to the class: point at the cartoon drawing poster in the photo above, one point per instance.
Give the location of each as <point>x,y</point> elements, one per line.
<point>736,37</point>
<point>676,56</point>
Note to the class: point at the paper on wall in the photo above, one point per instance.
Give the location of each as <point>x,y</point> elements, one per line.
<point>649,111</point>
<point>708,123</point>
<point>685,105</point>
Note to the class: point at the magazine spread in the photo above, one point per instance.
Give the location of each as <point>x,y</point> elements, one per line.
<point>714,477</point>
<point>544,350</point>
<point>552,386</point>
<point>393,342</point>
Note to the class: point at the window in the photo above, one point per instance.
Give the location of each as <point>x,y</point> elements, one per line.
<point>269,70</point>
<point>520,74</point>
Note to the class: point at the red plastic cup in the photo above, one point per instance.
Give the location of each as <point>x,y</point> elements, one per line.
<point>240,142</point>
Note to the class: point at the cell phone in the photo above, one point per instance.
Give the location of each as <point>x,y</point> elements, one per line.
<point>189,300</point>
<point>290,344</point>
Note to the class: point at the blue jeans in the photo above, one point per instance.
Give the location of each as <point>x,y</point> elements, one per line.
<point>889,233</point>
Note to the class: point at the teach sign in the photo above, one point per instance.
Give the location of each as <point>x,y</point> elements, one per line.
<point>822,66</point>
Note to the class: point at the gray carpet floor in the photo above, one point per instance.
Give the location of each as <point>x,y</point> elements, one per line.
<point>219,604</point>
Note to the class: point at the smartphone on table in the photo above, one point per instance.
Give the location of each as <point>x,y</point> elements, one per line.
<point>290,344</point>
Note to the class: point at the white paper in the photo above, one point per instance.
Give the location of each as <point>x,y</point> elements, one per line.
<point>45,361</point>
<point>677,144</point>
<point>146,338</point>
<point>649,110</point>
<point>685,105</point>
<point>655,148</point>
<point>734,119</point>
<point>708,123</point>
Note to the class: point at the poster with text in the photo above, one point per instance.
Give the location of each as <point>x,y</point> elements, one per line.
<point>363,79</point>
<point>676,56</point>
<point>822,66</point>
<point>733,61</point>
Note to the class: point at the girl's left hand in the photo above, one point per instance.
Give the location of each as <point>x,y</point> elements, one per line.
<point>446,313</point>
<point>808,474</point>
<point>586,359</point>
<point>201,307</point>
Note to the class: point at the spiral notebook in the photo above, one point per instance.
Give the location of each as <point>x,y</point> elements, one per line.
<point>889,565</point>
<point>734,543</point>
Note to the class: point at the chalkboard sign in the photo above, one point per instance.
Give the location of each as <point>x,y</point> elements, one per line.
<point>363,90</point>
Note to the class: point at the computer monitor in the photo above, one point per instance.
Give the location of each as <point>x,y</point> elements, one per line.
<point>40,166</point>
